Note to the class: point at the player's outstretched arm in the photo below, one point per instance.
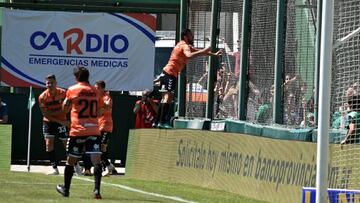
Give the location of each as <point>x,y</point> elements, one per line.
<point>192,52</point>
<point>218,53</point>
<point>66,105</point>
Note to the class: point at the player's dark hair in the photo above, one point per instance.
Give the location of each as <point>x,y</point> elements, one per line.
<point>81,74</point>
<point>185,32</point>
<point>50,77</point>
<point>101,84</point>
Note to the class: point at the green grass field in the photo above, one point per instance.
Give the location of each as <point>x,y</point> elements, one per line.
<point>34,187</point>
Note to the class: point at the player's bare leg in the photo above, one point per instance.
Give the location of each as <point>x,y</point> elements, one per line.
<point>165,108</point>
<point>96,160</point>
<point>64,190</point>
<point>49,144</point>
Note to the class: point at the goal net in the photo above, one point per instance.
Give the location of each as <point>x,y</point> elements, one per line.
<point>345,101</point>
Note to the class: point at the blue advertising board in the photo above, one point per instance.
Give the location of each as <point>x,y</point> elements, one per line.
<point>334,195</point>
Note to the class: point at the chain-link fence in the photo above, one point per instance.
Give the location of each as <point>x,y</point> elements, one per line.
<point>299,57</point>
<point>199,21</point>
<point>227,74</point>
<point>261,61</point>
<point>345,98</point>
<point>299,64</point>
<point>298,79</point>
<point>227,81</point>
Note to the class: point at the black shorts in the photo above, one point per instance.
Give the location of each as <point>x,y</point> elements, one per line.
<point>167,82</point>
<point>52,129</point>
<point>105,137</point>
<point>77,146</point>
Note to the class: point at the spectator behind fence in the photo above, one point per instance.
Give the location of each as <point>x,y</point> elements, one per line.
<point>3,112</point>
<point>309,121</point>
<point>353,120</point>
<point>236,55</point>
<point>263,115</point>
<point>307,113</point>
<point>146,111</point>
<point>292,116</point>
<point>339,117</point>
<point>290,85</point>
<point>203,79</point>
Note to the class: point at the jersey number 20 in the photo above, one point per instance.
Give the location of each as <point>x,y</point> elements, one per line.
<point>89,109</point>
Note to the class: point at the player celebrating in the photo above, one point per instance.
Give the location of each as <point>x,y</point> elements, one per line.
<point>84,103</point>
<point>54,119</point>
<point>182,52</point>
<point>106,126</point>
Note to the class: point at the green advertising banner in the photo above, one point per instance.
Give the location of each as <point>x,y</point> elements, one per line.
<point>263,168</point>
<point>5,146</point>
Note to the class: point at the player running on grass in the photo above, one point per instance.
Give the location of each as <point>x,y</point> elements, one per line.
<point>54,119</point>
<point>84,103</point>
<point>106,127</point>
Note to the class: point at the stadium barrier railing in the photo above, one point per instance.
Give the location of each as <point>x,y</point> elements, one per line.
<point>269,131</point>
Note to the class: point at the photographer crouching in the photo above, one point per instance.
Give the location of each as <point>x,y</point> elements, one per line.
<point>146,110</point>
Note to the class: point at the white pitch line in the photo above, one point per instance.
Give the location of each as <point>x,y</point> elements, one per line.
<point>140,191</point>
<point>37,183</point>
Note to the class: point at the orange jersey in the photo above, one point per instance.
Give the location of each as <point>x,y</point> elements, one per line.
<point>178,58</point>
<point>85,102</point>
<point>105,120</point>
<point>52,103</point>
